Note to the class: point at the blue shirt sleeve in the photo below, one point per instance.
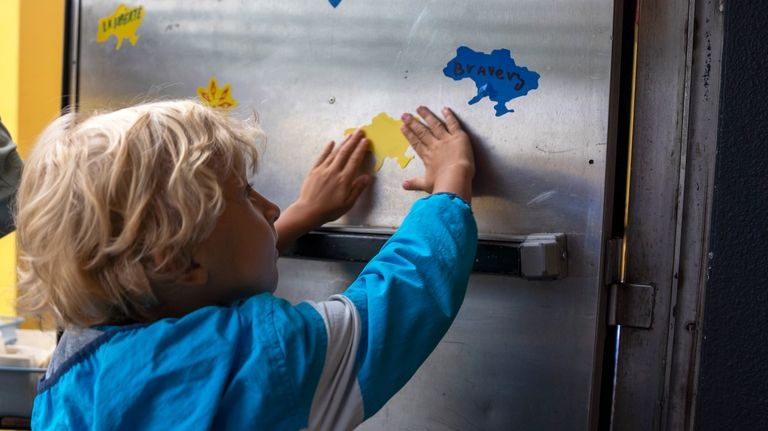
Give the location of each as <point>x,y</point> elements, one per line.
<point>409,294</point>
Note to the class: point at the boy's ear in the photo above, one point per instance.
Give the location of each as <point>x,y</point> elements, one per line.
<point>196,275</point>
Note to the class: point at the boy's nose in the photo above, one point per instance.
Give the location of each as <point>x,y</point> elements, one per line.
<point>273,211</point>
<point>270,210</point>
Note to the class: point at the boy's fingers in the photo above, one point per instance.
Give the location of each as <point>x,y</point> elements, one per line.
<point>417,183</point>
<point>356,159</point>
<point>337,148</point>
<point>411,137</point>
<point>346,149</point>
<point>324,155</point>
<point>451,121</point>
<point>352,135</point>
<point>436,126</point>
<point>359,185</point>
<point>420,130</point>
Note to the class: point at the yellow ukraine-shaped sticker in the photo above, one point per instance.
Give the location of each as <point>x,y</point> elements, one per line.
<point>386,140</point>
<point>122,24</point>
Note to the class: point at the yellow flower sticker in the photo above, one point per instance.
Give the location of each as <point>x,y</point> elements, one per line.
<point>122,24</point>
<point>215,96</point>
<point>386,140</point>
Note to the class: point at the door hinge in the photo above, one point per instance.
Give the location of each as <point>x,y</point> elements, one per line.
<point>612,267</point>
<point>629,304</point>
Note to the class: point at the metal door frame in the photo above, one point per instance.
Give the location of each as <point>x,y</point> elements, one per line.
<point>671,183</point>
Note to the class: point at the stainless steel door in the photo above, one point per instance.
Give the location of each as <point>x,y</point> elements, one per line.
<point>522,354</point>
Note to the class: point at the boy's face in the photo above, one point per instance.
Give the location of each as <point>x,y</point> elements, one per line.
<point>240,255</point>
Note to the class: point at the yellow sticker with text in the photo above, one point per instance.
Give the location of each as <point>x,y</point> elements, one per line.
<point>386,140</point>
<point>122,24</point>
<point>215,96</point>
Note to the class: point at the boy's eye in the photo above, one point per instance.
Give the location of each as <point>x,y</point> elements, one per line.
<point>249,190</point>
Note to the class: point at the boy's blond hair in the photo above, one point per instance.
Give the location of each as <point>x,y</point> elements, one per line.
<point>111,204</point>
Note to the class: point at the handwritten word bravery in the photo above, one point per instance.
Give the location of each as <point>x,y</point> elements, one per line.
<point>458,70</point>
<point>496,76</point>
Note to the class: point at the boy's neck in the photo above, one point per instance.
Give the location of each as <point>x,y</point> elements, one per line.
<point>182,301</point>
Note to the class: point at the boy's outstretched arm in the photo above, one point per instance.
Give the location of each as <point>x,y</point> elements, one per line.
<point>330,189</point>
<point>386,324</point>
<point>409,294</point>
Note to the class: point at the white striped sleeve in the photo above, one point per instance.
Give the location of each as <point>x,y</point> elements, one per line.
<point>338,403</point>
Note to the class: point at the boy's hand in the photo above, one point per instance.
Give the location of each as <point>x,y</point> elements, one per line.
<point>330,189</point>
<point>445,149</point>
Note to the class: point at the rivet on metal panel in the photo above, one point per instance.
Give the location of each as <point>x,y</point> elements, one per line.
<point>331,100</point>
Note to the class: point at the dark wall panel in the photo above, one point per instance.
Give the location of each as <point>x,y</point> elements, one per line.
<point>733,380</point>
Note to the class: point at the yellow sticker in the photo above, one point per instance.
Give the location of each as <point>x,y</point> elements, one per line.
<point>386,140</point>
<point>122,24</point>
<point>215,96</point>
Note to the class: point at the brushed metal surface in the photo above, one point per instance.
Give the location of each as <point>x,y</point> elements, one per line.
<point>518,355</point>
<point>286,59</point>
<point>521,353</point>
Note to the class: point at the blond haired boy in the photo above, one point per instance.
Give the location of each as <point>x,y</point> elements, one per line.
<point>138,230</point>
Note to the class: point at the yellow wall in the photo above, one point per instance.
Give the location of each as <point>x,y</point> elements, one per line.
<point>9,69</point>
<point>40,68</point>
<point>31,64</point>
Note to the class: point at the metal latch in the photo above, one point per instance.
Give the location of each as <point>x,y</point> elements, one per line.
<point>631,305</point>
<point>543,256</point>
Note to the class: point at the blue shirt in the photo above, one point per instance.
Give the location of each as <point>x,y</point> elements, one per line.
<point>267,364</point>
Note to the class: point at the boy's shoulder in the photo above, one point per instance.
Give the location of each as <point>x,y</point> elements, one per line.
<point>212,355</point>
<point>206,336</point>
